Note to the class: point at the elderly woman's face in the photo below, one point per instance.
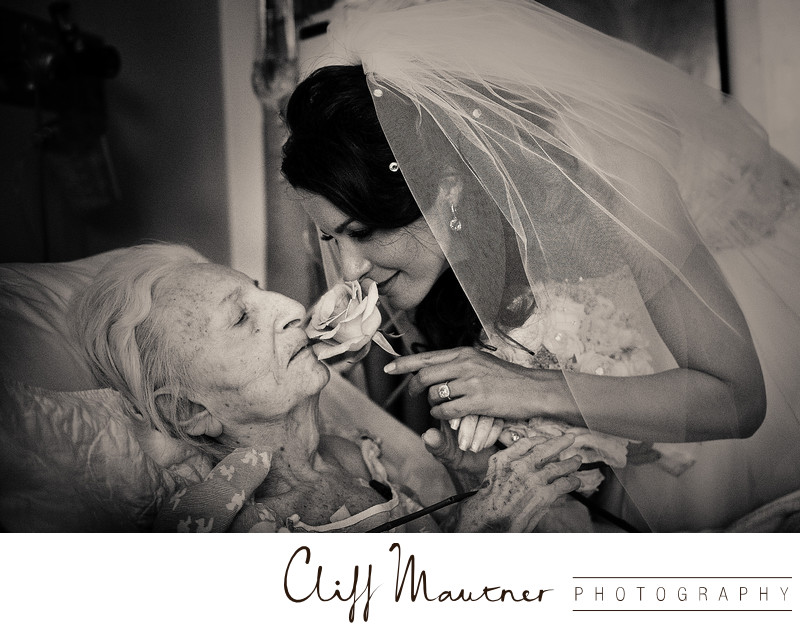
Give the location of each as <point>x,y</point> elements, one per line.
<point>246,355</point>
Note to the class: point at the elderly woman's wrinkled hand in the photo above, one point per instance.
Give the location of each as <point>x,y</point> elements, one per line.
<point>521,484</point>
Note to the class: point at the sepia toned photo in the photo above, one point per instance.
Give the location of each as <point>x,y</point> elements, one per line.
<point>460,266</point>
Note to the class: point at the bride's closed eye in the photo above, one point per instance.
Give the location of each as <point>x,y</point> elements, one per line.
<point>359,234</point>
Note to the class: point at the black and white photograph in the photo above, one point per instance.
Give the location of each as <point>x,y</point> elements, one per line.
<point>523,272</point>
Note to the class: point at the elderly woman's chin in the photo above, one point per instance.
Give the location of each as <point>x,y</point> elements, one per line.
<point>312,370</point>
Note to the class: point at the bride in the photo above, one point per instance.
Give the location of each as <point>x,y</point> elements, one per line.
<point>588,242</point>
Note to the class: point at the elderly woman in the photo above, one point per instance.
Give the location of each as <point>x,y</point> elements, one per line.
<point>204,355</point>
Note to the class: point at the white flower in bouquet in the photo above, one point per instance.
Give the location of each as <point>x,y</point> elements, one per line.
<point>596,364</point>
<point>565,345</point>
<point>635,362</point>
<point>566,315</point>
<point>347,320</point>
<point>577,328</point>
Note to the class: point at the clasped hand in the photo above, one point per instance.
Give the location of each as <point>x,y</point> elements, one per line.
<point>519,484</point>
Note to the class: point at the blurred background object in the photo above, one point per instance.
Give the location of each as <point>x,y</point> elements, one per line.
<point>183,137</point>
<point>58,73</point>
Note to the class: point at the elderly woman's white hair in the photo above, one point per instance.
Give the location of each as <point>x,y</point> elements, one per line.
<point>117,329</point>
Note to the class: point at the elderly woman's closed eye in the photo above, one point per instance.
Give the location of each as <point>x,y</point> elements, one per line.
<point>247,361</point>
<point>201,353</point>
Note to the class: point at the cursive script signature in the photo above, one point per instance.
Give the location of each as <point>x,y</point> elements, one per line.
<point>298,587</point>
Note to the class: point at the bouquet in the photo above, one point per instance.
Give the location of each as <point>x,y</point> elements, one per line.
<point>579,329</point>
<point>345,319</point>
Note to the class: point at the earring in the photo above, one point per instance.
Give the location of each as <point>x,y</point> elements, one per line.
<point>455,222</point>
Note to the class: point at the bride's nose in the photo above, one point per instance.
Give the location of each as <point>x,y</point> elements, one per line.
<point>288,312</point>
<point>354,264</point>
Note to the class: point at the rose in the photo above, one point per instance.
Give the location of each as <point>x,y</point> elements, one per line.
<point>594,363</point>
<point>345,320</point>
<point>636,362</point>
<point>606,335</point>
<point>563,344</point>
<point>567,315</point>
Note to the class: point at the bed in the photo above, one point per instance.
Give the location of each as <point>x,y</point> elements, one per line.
<point>70,460</point>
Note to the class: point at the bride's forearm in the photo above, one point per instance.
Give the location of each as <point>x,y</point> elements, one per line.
<point>680,405</point>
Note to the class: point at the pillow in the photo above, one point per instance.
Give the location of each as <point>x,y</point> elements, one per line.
<point>37,348</point>
<point>71,458</point>
<point>69,462</point>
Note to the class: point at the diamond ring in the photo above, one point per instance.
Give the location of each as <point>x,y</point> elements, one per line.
<point>444,391</point>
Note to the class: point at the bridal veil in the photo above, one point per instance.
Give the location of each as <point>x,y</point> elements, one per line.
<point>602,177</point>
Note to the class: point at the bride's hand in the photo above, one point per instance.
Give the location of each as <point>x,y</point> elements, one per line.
<point>466,469</point>
<point>476,432</point>
<point>483,385</point>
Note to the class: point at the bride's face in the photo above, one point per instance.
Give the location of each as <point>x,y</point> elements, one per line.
<point>245,354</point>
<point>404,262</point>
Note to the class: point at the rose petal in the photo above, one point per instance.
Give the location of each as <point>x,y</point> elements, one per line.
<point>326,305</point>
<point>351,291</point>
<point>319,333</point>
<point>329,333</point>
<point>359,355</point>
<point>384,344</point>
<point>372,295</point>
<point>330,351</point>
<point>354,309</point>
<point>359,343</point>
<point>371,323</point>
<point>347,331</point>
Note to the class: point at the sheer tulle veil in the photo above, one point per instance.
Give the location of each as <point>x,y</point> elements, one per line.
<point>590,170</point>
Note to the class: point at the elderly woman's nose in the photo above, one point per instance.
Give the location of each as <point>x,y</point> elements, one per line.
<point>354,264</point>
<point>288,312</point>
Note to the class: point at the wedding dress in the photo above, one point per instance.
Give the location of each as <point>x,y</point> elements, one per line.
<point>595,164</point>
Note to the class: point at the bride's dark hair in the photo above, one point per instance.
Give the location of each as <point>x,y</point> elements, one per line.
<point>337,149</point>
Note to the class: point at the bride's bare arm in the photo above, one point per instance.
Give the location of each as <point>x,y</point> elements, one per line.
<point>680,405</point>
<point>718,393</point>
<point>719,390</point>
